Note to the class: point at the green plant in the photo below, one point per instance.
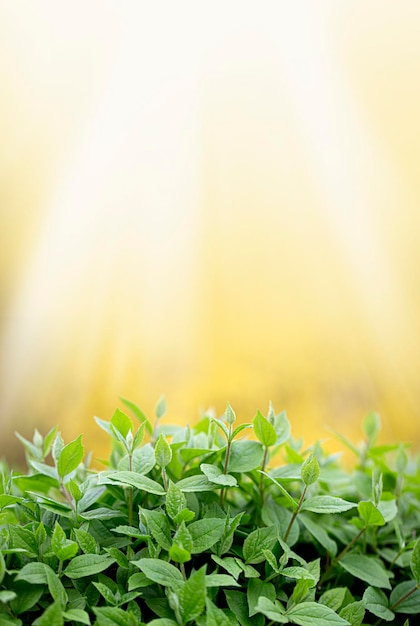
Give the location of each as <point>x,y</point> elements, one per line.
<point>205,526</point>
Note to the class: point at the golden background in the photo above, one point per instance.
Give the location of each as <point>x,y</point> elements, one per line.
<point>214,200</point>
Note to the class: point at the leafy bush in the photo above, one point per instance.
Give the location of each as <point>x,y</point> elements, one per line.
<point>205,526</point>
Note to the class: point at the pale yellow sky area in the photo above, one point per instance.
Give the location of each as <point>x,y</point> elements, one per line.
<point>218,201</point>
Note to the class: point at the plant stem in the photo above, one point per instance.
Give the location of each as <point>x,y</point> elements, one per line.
<point>340,556</point>
<point>225,467</point>
<point>130,493</point>
<point>295,512</point>
<point>404,597</point>
<point>262,475</point>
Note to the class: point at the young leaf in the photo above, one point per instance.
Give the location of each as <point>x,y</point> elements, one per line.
<point>175,500</point>
<point>264,431</point>
<point>121,422</point>
<point>310,470</point>
<point>370,514</point>
<point>371,426</point>
<point>163,452</point>
<point>160,408</point>
<point>230,415</point>
<point>70,457</point>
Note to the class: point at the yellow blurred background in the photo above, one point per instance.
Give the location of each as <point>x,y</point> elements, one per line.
<point>215,200</point>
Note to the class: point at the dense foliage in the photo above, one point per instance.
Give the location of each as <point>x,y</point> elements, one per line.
<point>206,526</point>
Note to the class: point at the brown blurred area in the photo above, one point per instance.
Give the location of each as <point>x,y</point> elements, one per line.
<point>214,209</point>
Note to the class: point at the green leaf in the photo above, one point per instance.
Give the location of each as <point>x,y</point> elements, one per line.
<point>192,596</point>
<point>411,605</point>
<point>334,598</point>
<point>7,596</point>
<point>183,537</point>
<point>61,546</point>
<point>158,525</point>
<point>314,614</point>
<point>143,460</point>
<point>87,565</point>
<point>175,500</point>
<point>259,589</point>
<point>366,568</point>
<point>56,587</point>
<point>121,422</point>
<point>353,613</point>
<point>370,514</point>
<point>178,554</point>
<point>86,542</point>
<point>138,413</point>
<point>193,484</point>
<point>33,573</point>
<point>415,561</point>
<point>257,541</point>
<point>319,533</point>
<point>70,457</point>
<point>106,593</point>
<point>310,470</point>
<point>163,452</point>
<point>160,408</point>
<point>77,615</point>
<point>273,610</point>
<point>160,572</point>
<point>216,475</point>
<point>264,431</point>
<point>111,616</point>
<point>24,539</point>
<point>229,564</point>
<point>133,480</point>
<point>326,504</point>
<point>215,616</point>
<point>282,427</point>
<point>376,602</point>
<point>238,604</point>
<point>27,595</point>
<point>245,456</point>
<point>52,616</point>
<point>221,580</point>
<point>205,533</point>
<point>138,580</point>
<point>299,573</point>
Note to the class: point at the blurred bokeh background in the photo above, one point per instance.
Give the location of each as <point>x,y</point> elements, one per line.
<point>215,200</point>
